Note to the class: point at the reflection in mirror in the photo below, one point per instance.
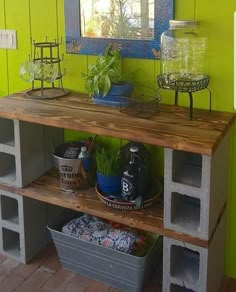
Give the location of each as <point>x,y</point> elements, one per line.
<point>129,19</point>
<point>135,26</point>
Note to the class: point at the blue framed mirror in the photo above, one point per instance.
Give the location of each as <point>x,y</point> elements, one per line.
<point>134,26</point>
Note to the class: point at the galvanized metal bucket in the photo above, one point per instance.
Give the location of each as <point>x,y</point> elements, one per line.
<point>72,176</point>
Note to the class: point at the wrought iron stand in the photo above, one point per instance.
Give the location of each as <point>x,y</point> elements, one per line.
<point>188,86</point>
<point>46,60</point>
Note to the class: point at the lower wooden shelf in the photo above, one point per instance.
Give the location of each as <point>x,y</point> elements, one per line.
<point>46,189</point>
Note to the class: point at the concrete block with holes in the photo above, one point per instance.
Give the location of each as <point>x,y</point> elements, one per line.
<point>26,150</point>
<point>23,226</point>
<point>192,268</point>
<point>195,190</point>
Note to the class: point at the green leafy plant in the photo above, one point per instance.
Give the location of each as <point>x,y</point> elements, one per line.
<point>108,162</point>
<point>104,73</point>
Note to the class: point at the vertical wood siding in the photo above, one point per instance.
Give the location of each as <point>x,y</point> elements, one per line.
<point>3,55</point>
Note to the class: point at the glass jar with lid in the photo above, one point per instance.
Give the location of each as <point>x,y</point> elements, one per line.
<point>183,49</point>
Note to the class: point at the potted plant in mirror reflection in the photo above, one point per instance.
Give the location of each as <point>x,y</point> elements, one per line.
<point>105,82</point>
<point>108,171</point>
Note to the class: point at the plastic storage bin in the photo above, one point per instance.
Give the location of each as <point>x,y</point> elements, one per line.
<point>118,269</point>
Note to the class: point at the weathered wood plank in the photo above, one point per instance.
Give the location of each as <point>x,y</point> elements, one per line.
<point>170,128</point>
<point>46,189</point>
<point>26,270</point>
<point>77,282</point>
<point>98,286</point>
<point>59,280</point>
<point>7,267</point>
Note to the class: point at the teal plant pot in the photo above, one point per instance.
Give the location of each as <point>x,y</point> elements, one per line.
<point>109,184</point>
<point>117,96</point>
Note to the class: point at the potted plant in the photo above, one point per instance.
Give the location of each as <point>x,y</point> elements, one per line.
<point>105,82</point>
<point>108,171</point>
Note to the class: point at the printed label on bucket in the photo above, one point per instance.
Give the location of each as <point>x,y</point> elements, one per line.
<point>70,177</point>
<point>73,171</point>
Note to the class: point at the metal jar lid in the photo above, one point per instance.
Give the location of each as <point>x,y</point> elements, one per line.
<point>134,149</point>
<point>183,23</point>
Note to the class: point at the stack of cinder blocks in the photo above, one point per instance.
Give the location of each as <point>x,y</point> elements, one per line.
<point>194,202</point>
<point>25,154</point>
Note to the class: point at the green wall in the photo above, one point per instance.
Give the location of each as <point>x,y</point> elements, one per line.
<point>38,19</point>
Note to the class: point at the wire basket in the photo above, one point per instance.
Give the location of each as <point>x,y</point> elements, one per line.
<point>143,105</point>
<point>188,85</point>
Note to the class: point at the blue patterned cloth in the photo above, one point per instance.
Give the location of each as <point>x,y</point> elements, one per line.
<point>93,229</point>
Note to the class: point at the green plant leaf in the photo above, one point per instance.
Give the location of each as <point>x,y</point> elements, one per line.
<point>108,162</point>
<point>106,71</point>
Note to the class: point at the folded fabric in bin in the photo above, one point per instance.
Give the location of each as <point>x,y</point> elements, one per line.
<point>93,229</point>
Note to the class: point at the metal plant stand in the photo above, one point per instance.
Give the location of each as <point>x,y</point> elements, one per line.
<point>46,67</point>
<point>188,86</point>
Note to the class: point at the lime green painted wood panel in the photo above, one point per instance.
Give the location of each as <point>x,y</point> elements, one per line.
<point>2,14</point>
<point>184,9</point>
<point>75,136</point>
<point>61,35</point>
<point>3,73</point>
<point>75,65</point>
<point>18,19</point>
<point>141,70</point>
<point>61,22</point>
<point>43,20</point>
<point>44,26</point>
<point>3,55</point>
<point>217,22</point>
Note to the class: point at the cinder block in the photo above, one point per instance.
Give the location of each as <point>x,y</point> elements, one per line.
<point>9,208</point>
<point>8,168</point>
<point>26,150</point>
<point>7,138</point>
<point>187,267</point>
<point>23,224</point>
<point>195,190</point>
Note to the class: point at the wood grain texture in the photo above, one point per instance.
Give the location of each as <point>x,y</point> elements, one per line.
<point>3,55</point>
<point>170,128</point>
<point>46,189</point>
<point>62,280</point>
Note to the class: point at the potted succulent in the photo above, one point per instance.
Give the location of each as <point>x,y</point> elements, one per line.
<point>105,81</point>
<point>108,171</point>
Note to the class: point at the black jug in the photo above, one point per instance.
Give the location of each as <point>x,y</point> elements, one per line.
<point>136,173</point>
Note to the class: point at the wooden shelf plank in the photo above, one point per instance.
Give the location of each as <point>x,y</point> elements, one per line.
<point>170,128</point>
<point>46,189</point>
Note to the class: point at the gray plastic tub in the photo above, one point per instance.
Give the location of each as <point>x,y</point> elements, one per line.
<point>118,269</point>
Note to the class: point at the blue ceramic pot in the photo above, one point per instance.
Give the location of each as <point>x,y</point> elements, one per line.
<point>117,96</point>
<point>109,184</point>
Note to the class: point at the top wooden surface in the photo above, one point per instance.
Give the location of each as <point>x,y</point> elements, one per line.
<point>170,128</point>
